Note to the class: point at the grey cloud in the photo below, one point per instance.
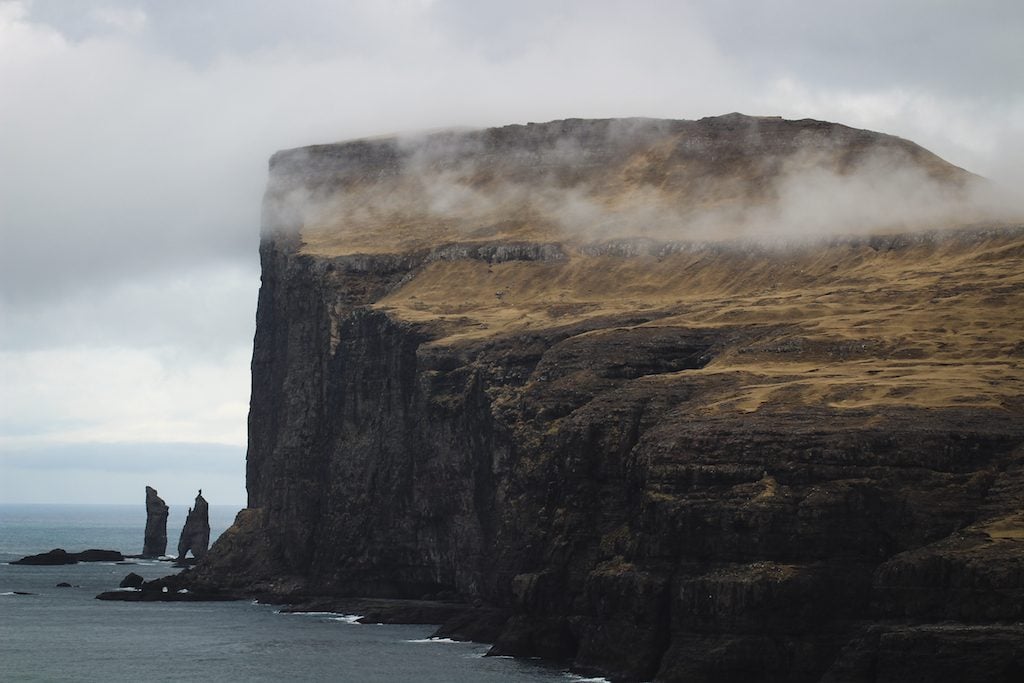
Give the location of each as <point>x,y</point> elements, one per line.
<point>971,48</point>
<point>201,31</point>
<point>202,312</point>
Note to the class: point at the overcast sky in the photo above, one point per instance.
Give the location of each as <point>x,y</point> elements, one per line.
<point>134,137</point>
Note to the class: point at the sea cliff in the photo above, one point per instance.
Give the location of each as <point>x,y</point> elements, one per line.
<point>579,374</point>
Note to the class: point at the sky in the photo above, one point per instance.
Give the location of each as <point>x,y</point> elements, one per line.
<point>134,138</point>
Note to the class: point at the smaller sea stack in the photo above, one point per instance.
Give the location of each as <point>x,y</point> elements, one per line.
<point>195,536</point>
<point>155,543</point>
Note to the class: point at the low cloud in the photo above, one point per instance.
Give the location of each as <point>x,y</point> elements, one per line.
<point>589,181</point>
<point>74,395</point>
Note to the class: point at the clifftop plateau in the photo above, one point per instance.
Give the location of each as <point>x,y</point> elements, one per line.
<point>729,399</point>
<point>586,180</point>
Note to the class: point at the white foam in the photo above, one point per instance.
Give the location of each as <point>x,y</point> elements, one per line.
<point>348,618</point>
<point>584,679</point>
<point>9,593</point>
<point>433,640</point>
<point>331,616</point>
<point>183,590</point>
<point>127,590</point>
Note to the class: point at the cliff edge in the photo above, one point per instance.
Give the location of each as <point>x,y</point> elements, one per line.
<point>729,399</point>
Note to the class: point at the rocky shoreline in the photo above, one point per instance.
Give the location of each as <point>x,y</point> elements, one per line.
<point>648,460</point>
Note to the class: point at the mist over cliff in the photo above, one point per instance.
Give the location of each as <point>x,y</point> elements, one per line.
<point>729,177</point>
<point>565,373</point>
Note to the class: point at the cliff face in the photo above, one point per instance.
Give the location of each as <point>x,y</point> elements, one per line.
<point>673,459</point>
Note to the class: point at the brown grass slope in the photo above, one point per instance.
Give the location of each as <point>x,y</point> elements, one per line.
<point>932,321</point>
<point>679,220</point>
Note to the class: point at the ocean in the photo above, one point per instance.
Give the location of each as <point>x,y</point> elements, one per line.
<point>65,634</point>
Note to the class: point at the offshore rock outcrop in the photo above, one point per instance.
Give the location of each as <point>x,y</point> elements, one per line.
<point>685,461</point>
<point>195,535</point>
<point>155,540</point>
<point>59,556</point>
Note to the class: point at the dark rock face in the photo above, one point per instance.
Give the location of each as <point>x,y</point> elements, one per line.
<point>195,535</point>
<point>155,542</point>
<point>132,580</point>
<point>93,555</point>
<point>176,588</point>
<point>611,495</point>
<point>60,556</point>
<point>54,557</point>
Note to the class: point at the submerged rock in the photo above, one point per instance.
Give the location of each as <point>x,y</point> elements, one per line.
<point>133,580</point>
<point>195,535</point>
<point>174,588</point>
<point>155,543</point>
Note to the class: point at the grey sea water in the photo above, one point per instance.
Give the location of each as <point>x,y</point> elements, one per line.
<point>65,634</point>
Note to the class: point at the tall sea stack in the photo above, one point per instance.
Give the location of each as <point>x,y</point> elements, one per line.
<point>155,543</point>
<point>195,535</point>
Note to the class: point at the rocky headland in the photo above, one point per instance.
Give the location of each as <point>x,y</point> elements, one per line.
<point>632,399</point>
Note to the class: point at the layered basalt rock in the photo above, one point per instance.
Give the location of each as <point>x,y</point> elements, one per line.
<point>668,459</point>
<point>155,539</point>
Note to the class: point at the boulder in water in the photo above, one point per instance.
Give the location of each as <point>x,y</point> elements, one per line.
<point>133,580</point>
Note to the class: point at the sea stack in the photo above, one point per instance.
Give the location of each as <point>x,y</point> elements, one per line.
<point>155,543</point>
<point>195,536</point>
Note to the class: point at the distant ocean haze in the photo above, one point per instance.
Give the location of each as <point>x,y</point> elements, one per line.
<point>65,634</point>
<point>27,529</point>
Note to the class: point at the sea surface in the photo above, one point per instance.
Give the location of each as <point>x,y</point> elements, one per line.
<point>65,634</point>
